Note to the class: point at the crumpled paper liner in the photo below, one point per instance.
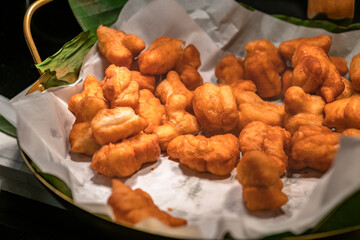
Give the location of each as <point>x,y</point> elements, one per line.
<point>212,205</point>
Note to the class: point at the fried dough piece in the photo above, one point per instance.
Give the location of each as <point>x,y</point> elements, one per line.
<point>351,132</point>
<point>166,132</point>
<point>132,206</point>
<point>259,69</point>
<point>189,76</point>
<point>172,84</point>
<point>146,147</point>
<point>179,121</point>
<point>355,72</point>
<point>191,56</point>
<point>302,109</point>
<point>215,107</point>
<point>343,113</point>
<point>187,68</point>
<point>184,121</point>
<point>217,154</point>
<point>262,65</point>
<point>314,147</point>
<point>252,108</point>
<point>119,89</point>
<point>340,64</point>
<point>258,175</point>
<point>82,140</point>
<point>125,158</point>
<point>112,125</point>
<point>333,9</point>
<point>241,86</point>
<point>161,56</point>
<point>265,46</point>
<point>129,97</point>
<point>230,69</point>
<point>118,47</point>
<point>313,70</point>
<point>91,87</point>
<point>272,140</point>
<point>287,48</point>
<point>144,81</point>
<point>88,107</point>
<point>286,80</point>
<point>151,109</point>
<point>348,90</point>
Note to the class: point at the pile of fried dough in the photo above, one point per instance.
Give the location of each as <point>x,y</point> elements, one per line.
<point>154,101</point>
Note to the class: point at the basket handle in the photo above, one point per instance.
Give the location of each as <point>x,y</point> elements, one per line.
<point>30,42</point>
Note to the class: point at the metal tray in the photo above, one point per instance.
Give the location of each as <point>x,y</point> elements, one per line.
<point>115,230</point>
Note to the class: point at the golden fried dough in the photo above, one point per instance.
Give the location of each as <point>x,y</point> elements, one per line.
<point>340,64</point>
<point>314,147</point>
<point>241,86</point>
<point>187,67</point>
<point>119,89</point>
<point>333,9</point>
<point>265,46</point>
<point>274,141</point>
<point>262,65</point>
<point>161,56</point>
<point>348,90</point>
<point>258,175</point>
<point>82,140</point>
<point>351,132</point>
<point>355,72</point>
<point>179,121</point>
<point>132,206</point>
<point>166,132</point>
<point>252,108</point>
<point>313,70</point>
<point>146,147</point>
<point>343,113</point>
<point>151,109</point>
<point>118,47</point>
<point>286,80</point>
<point>302,109</point>
<point>287,48</point>
<point>91,87</point>
<point>88,107</point>
<point>112,125</point>
<point>144,81</point>
<point>184,121</point>
<point>215,107</point>
<point>230,69</point>
<point>259,69</point>
<point>189,76</point>
<point>129,97</point>
<point>217,154</point>
<point>125,158</point>
<point>172,84</point>
<point>191,56</point>
<point>115,160</point>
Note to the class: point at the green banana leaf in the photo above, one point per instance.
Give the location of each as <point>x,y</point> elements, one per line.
<point>54,181</point>
<point>63,67</point>
<point>324,24</point>
<point>6,127</point>
<point>91,13</point>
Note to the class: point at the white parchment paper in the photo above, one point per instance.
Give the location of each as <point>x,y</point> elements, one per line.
<point>212,205</point>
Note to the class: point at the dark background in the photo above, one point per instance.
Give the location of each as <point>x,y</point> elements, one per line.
<point>52,26</point>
